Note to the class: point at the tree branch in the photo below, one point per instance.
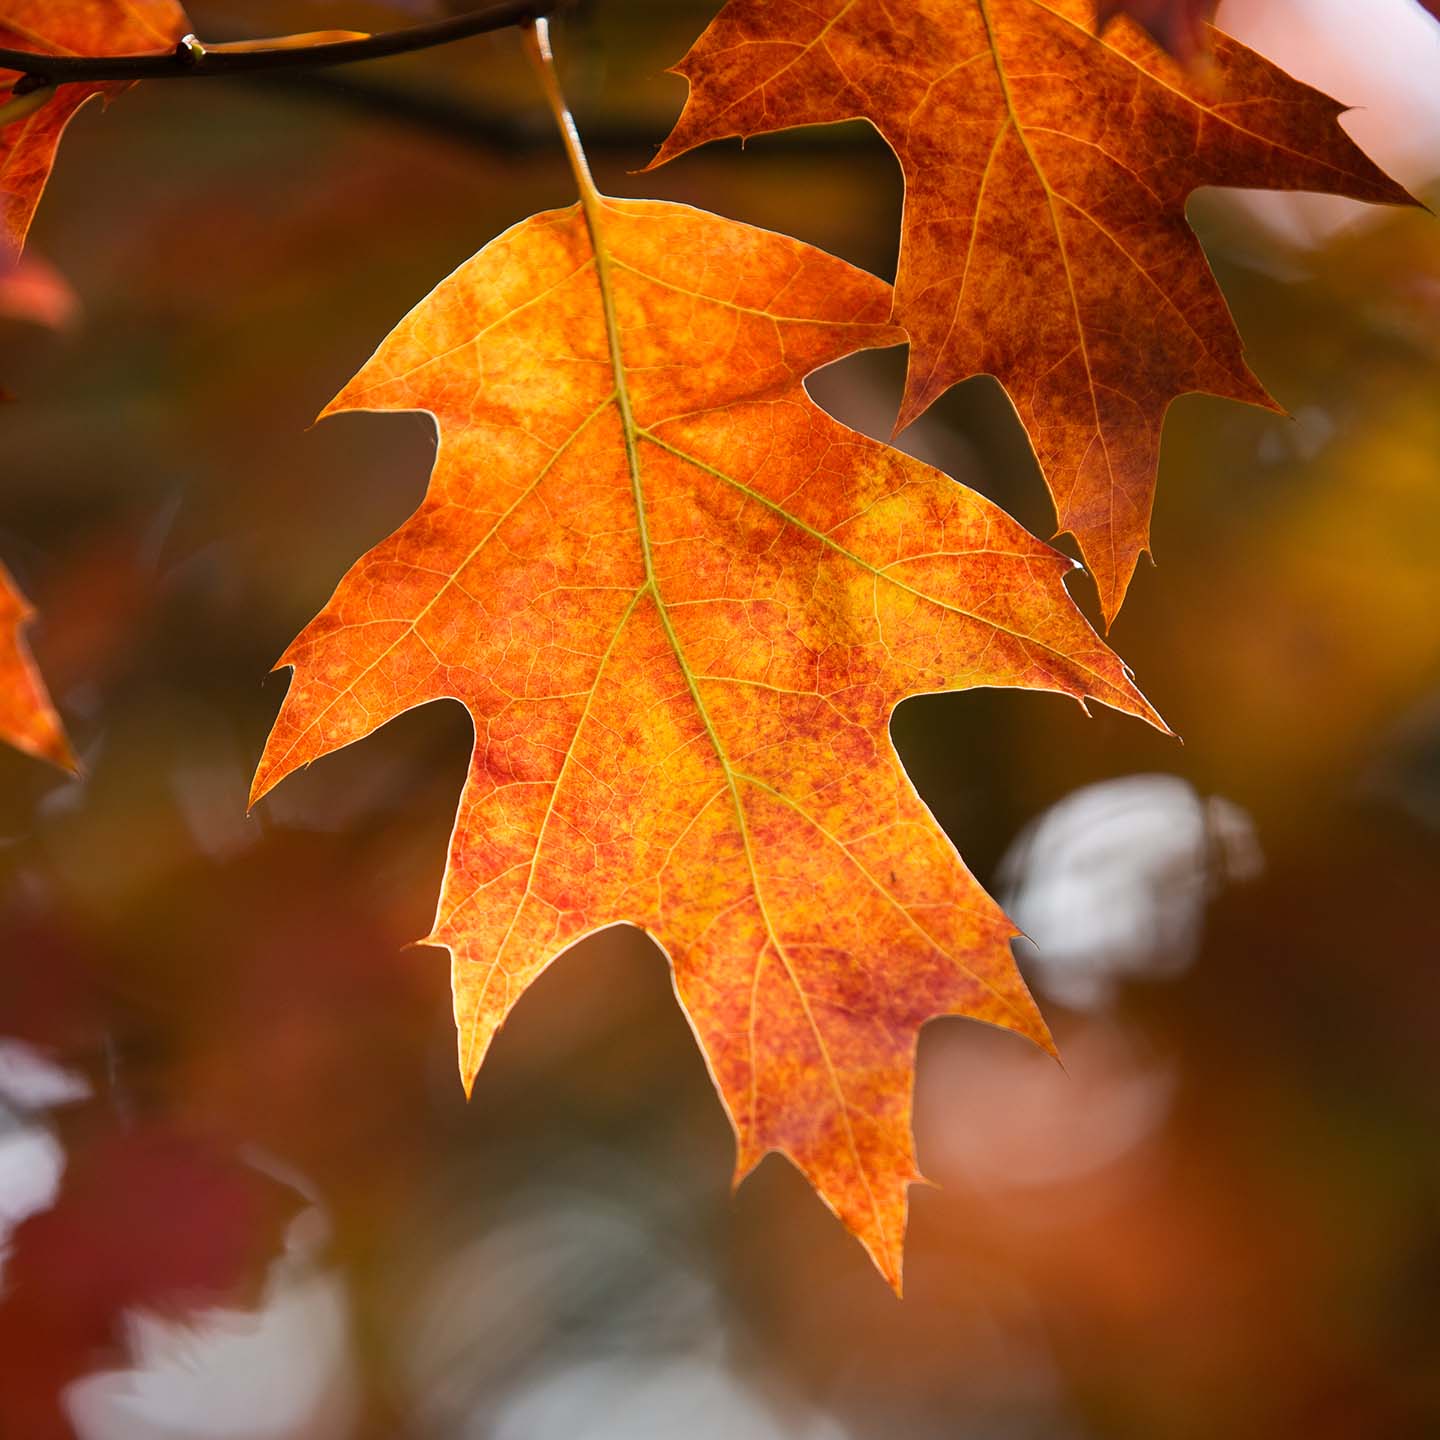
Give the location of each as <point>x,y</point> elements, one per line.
<point>623,143</point>
<point>191,60</point>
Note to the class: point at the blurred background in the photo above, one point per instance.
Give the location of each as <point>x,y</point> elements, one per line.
<point>241,1193</point>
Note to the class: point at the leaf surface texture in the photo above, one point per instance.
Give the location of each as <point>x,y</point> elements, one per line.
<point>680,603</point>
<point>1044,238</point>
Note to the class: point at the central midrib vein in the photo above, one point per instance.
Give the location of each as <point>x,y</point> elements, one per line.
<point>1014,118</point>
<point>592,205</point>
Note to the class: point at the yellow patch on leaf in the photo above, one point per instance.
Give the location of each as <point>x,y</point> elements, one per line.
<point>1044,238</point>
<point>80,27</point>
<point>680,603</point>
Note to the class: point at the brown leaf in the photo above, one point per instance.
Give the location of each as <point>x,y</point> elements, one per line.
<point>1044,237</point>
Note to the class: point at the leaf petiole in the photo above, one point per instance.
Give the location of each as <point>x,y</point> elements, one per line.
<point>23,103</point>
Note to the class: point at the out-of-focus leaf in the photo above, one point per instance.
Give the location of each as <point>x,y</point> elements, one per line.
<point>146,1218</point>
<point>27,718</point>
<point>32,289</point>
<point>289,42</point>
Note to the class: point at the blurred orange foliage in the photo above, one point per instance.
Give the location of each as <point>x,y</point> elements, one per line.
<point>1219,1219</point>
<point>27,718</point>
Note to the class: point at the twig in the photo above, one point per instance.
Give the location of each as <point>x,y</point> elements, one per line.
<point>191,60</point>
<point>451,117</point>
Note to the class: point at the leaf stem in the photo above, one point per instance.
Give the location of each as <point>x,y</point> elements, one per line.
<point>192,60</point>
<point>537,47</point>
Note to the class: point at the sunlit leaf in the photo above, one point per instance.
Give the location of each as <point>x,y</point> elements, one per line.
<point>680,603</point>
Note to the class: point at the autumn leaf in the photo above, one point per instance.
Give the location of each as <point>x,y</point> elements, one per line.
<point>27,719</point>
<point>1178,26</point>
<point>1044,238</point>
<point>680,603</point>
<point>90,27</point>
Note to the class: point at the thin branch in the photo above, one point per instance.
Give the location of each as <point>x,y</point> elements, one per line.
<point>626,143</point>
<point>191,60</point>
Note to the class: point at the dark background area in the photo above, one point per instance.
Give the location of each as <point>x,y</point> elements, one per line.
<point>225,1080</point>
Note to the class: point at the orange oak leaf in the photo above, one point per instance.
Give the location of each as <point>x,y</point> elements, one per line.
<point>1044,238</point>
<point>27,719</point>
<point>680,603</point>
<point>79,27</point>
<point>32,289</point>
<point>1179,26</point>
